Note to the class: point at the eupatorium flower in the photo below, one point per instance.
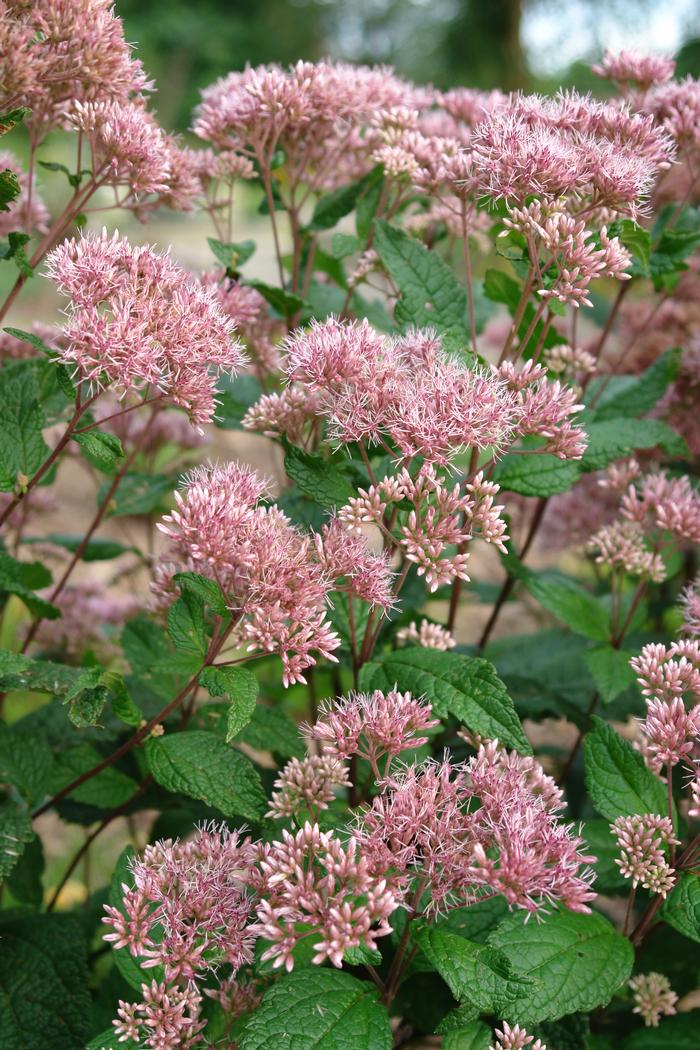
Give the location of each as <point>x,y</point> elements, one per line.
<point>690,605</point>
<point>137,322</point>
<point>372,725</point>
<point>267,568</point>
<point>404,388</point>
<point>485,826</point>
<point>670,732</point>
<point>435,532</point>
<point>312,885</point>
<point>642,841</point>
<point>515,1038</point>
<point>190,906</point>
<point>653,997</point>
<point>129,150</point>
<point>307,784</point>
<point>429,635</point>
<point>630,67</point>
<point>546,409</point>
<point>60,51</point>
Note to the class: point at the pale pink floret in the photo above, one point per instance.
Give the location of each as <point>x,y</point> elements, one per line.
<point>690,605</point>
<point>128,148</point>
<point>428,635</point>
<point>653,997</point>
<point>357,571</point>
<point>136,321</point>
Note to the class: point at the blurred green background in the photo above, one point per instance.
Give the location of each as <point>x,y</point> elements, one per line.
<point>531,44</point>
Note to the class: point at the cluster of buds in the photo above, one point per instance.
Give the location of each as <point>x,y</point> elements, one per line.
<point>440,520</point>
<point>643,842</point>
<point>653,997</point>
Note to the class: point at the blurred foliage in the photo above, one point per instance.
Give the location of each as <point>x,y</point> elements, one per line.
<point>445,42</point>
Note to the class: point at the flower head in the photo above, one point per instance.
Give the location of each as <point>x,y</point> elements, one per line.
<point>653,997</point>
<point>642,841</point>
<point>515,1038</point>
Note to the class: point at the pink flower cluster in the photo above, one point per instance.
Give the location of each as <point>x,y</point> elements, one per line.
<point>312,885</point>
<point>372,725</point>
<point>307,785</point>
<point>667,675</point>
<point>515,1038</point>
<point>138,322</point>
<point>372,387</point>
<point>546,409</point>
<point>643,842</point>
<point>59,51</point>
<point>488,826</point>
<point>189,910</point>
<point>653,997</point>
<point>276,579</point>
<point>428,635</point>
<point>654,509</point>
<point>440,520</point>
<point>629,67</point>
<point>249,312</point>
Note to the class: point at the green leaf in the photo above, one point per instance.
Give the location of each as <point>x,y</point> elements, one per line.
<point>139,494</point>
<point>272,730</point>
<point>318,1010</point>
<point>101,449</point>
<point>9,188</point>
<point>186,625</point>
<point>15,833</point>
<point>430,292</point>
<point>13,250</point>
<point>500,287</point>
<point>235,397</point>
<point>612,439</point>
<point>23,579</point>
<point>344,244</point>
<point>12,118</point>
<point>233,255</point>
<point>681,909</point>
<point>107,790</point>
<point>631,396</point>
<point>367,205</point>
<point>108,1040</point>
<point>240,686</point>
<point>333,206</point>
<point>25,881</point>
<point>618,782</point>
<point>44,983</point>
<point>96,549</point>
<point>577,961</point>
<point>285,303</point>
<point>474,1035</point>
<point>610,670</point>
<point>205,590</point>
<point>475,921</point>
<point>636,240</point>
<point>201,765</point>
<point>536,475</point>
<point>603,846</point>
<point>466,687</point>
<point>473,972</point>
<point>322,480</point>
<point>567,600</point>
<point>33,340</point>
<point>22,446</point>
<point>26,761</point>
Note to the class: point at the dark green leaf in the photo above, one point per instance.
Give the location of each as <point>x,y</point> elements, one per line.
<point>107,790</point>
<point>101,449</point>
<point>272,730</point>
<point>240,686</point>
<point>536,475</point>
<point>204,589</point>
<point>322,480</point>
<point>139,494</point>
<point>333,206</point>
<point>96,549</point>
<point>201,765</point>
<point>231,256</point>
<point>25,762</point>
<point>564,598</point>
<point>23,579</point>
<point>9,188</point>
<point>681,909</point>
<point>323,1009</point>
<point>612,439</point>
<point>235,397</point>
<point>617,779</point>
<point>673,1033</point>
<point>578,962</point>
<point>610,670</point>
<point>631,396</point>
<point>22,445</point>
<point>465,687</point>
<point>186,625</point>
<point>285,303</point>
<point>15,833</point>
<point>44,983</point>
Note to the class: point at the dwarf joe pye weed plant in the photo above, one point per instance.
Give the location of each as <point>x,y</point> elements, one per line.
<point>481,331</point>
